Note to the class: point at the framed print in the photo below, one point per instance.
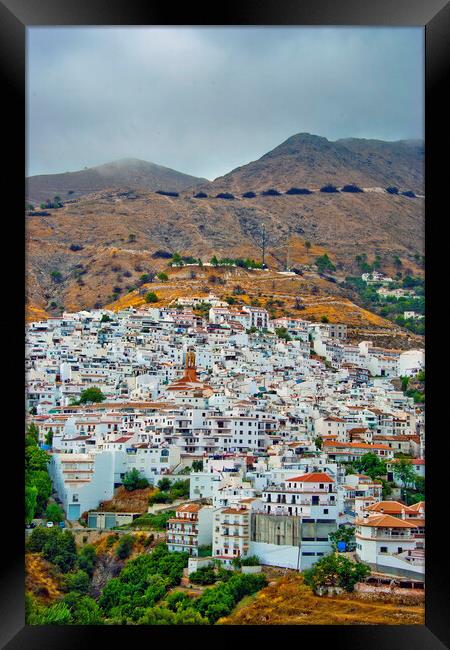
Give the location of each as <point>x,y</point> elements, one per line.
<point>232,250</point>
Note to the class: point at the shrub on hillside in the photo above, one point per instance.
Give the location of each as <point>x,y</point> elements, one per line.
<point>351,188</point>
<point>203,576</point>
<point>249,195</point>
<point>200,195</point>
<point>132,480</point>
<point>161,254</point>
<point>225,195</point>
<point>299,190</point>
<point>271,192</point>
<point>392,190</point>
<point>164,193</point>
<point>409,194</point>
<point>124,547</point>
<point>329,188</point>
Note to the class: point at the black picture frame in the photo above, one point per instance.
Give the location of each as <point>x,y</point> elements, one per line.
<point>434,16</point>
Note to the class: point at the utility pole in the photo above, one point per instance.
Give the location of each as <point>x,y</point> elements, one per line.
<point>263,244</point>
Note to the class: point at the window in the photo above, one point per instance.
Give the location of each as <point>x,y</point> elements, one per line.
<point>383,549</point>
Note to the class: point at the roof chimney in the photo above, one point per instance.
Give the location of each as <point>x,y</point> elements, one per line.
<point>403,513</point>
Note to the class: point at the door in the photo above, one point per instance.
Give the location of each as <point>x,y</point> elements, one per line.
<point>74,511</point>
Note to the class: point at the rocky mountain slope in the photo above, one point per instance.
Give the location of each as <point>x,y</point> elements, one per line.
<point>101,244</point>
<point>306,160</point>
<point>128,173</point>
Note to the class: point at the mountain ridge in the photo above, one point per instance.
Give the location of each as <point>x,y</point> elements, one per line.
<point>131,173</point>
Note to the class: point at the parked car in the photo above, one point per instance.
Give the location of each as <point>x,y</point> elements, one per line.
<point>49,524</point>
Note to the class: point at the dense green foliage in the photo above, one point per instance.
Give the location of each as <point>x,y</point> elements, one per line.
<point>87,559</point>
<point>92,394</point>
<point>250,560</point>
<point>133,480</point>
<point>38,486</point>
<point>219,601</point>
<point>56,545</point>
<point>335,571</point>
<point>157,521</point>
<point>343,534</point>
<point>389,306</point>
<point>238,261</point>
<point>203,576</point>
<point>142,583</point>
<point>371,465</point>
<point>54,513</point>
<point>170,492</point>
<point>324,263</point>
<point>283,333</point>
<point>125,546</point>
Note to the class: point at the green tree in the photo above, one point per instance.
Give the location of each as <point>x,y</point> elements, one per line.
<point>197,465</point>
<point>151,297</point>
<point>36,459</point>
<point>83,609</point>
<point>335,570</point>
<point>214,261</point>
<point>318,442</point>
<point>404,472</point>
<point>324,263</point>
<point>33,433</point>
<point>56,545</point>
<point>133,480</point>
<point>125,546</point>
<point>30,502</point>
<point>87,559</point>
<point>91,395</point>
<point>41,481</point>
<point>405,382</point>
<point>49,438</point>
<point>54,513</point>
<point>163,277</point>
<point>307,245</point>
<point>164,484</point>
<point>343,534</point>
<point>78,581</point>
<point>203,576</point>
<point>371,465</point>
<point>283,333</point>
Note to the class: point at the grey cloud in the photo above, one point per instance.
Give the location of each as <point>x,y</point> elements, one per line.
<point>205,100</point>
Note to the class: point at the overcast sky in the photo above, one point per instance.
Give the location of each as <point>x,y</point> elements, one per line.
<point>206,100</point>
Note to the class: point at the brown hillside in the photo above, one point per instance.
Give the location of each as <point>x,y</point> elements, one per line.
<point>342,225</point>
<point>128,173</point>
<point>289,602</point>
<point>306,160</point>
